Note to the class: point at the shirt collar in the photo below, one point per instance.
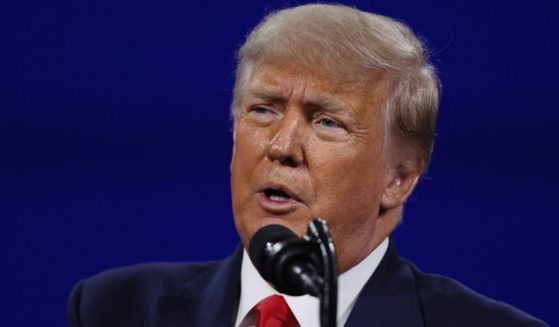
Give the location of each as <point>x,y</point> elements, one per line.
<point>306,308</point>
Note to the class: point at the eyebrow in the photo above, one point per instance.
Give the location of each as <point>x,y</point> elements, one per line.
<point>266,94</point>
<point>324,102</point>
<point>328,103</point>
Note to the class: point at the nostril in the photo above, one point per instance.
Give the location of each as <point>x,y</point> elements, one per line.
<point>288,161</point>
<point>283,158</point>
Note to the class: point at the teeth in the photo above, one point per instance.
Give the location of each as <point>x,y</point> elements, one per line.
<point>278,197</point>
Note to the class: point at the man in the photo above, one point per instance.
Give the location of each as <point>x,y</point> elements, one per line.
<point>334,116</point>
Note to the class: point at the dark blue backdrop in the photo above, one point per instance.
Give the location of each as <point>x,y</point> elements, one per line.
<point>115,143</point>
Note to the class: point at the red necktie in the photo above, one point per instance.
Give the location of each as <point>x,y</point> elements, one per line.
<point>273,311</point>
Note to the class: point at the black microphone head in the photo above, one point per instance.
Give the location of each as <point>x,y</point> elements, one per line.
<point>265,235</point>
<point>284,260</point>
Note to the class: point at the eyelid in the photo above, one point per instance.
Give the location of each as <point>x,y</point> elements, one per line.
<point>261,115</point>
<point>318,117</point>
<point>266,108</point>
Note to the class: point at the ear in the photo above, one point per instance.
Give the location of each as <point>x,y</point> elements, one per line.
<point>402,181</point>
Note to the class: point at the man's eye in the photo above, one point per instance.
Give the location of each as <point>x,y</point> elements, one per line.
<point>262,115</point>
<point>328,123</point>
<point>260,110</point>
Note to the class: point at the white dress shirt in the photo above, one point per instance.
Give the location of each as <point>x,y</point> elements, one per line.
<point>306,308</point>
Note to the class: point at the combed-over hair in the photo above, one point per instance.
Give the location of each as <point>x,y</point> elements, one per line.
<point>349,44</point>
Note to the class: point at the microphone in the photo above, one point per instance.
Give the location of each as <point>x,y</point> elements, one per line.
<point>286,261</point>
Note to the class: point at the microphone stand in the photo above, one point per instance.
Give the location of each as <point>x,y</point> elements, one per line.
<point>317,233</point>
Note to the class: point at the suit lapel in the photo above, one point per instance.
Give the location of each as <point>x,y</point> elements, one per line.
<point>389,298</point>
<point>207,300</point>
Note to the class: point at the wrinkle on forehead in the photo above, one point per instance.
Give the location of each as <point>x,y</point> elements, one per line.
<point>282,82</point>
<point>298,93</point>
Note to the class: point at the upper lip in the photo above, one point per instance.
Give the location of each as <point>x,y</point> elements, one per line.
<point>280,187</point>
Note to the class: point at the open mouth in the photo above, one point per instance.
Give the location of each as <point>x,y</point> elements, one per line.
<point>277,195</point>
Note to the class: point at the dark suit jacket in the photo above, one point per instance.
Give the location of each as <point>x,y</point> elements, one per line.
<point>207,294</point>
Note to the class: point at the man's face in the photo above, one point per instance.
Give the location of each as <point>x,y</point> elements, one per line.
<point>307,146</point>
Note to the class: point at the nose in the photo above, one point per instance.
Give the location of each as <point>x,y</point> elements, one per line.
<point>286,144</point>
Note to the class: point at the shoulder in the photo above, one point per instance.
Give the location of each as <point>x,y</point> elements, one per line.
<point>131,290</point>
<point>162,276</point>
<point>447,302</point>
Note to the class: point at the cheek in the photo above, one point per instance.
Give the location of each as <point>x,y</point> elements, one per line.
<point>349,185</point>
<point>248,152</point>
<point>250,140</point>
<point>243,163</point>
<point>248,145</point>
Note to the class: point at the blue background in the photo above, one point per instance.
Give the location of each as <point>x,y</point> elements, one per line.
<point>115,143</point>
